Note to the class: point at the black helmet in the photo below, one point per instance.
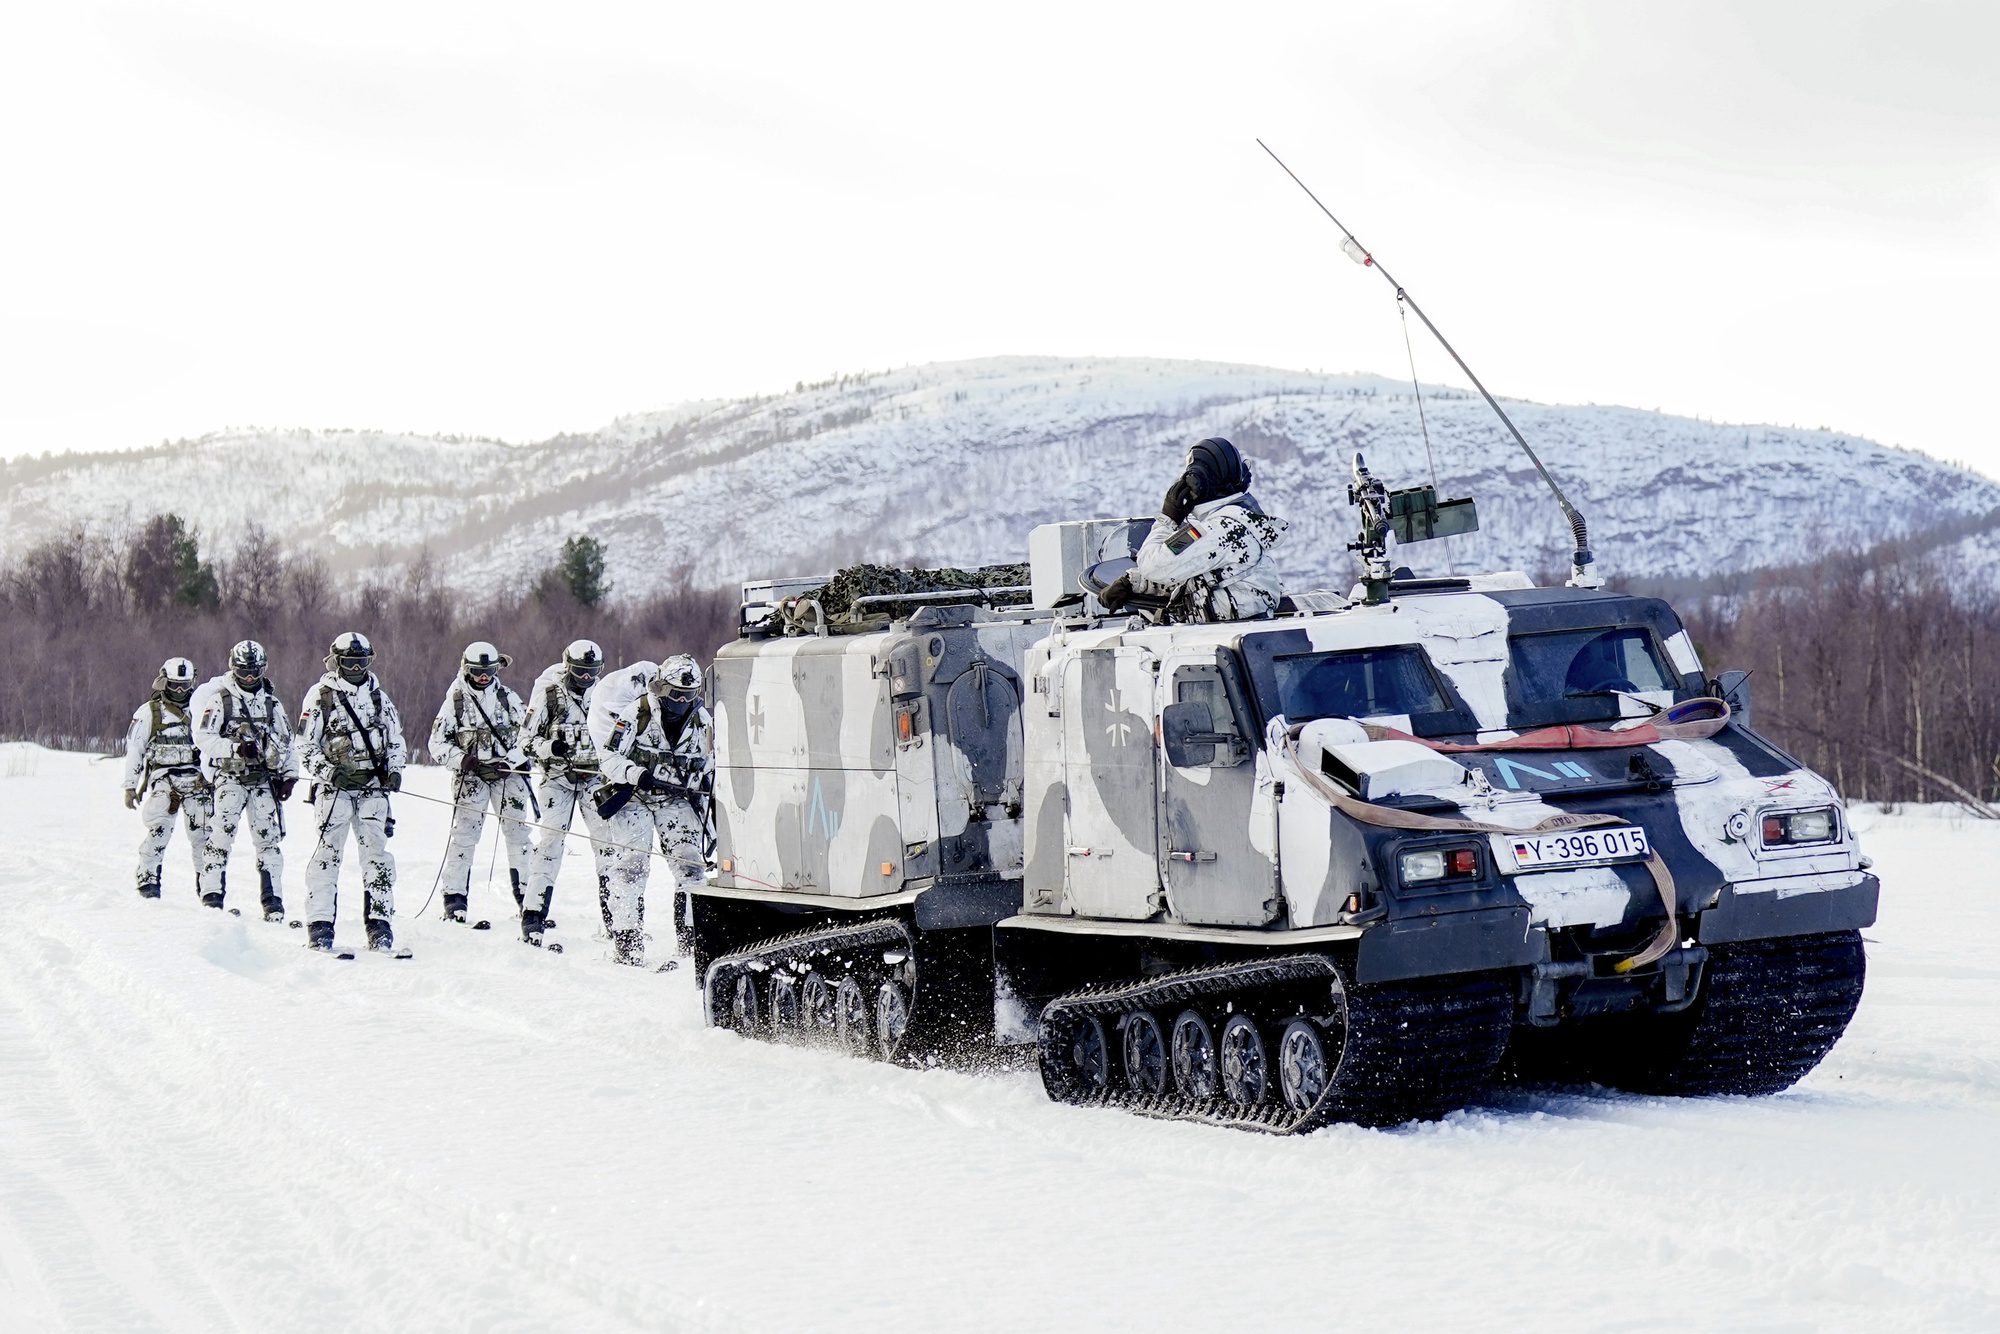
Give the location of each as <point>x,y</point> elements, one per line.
<point>352,656</point>
<point>583,662</point>
<point>246,663</point>
<point>1214,470</point>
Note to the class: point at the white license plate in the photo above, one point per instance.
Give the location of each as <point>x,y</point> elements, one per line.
<point>1577,847</point>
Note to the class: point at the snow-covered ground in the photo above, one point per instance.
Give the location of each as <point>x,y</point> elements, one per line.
<point>202,1126</point>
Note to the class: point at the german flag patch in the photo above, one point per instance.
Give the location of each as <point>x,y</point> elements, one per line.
<point>1183,539</point>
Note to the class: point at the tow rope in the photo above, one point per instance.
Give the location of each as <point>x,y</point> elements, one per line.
<point>1283,743</point>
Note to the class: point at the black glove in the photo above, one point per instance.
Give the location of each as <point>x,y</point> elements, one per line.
<point>282,788</point>
<point>247,749</point>
<point>1180,499</point>
<point>393,783</point>
<point>648,783</point>
<point>560,748</point>
<point>1116,593</point>
<point>470,764</point>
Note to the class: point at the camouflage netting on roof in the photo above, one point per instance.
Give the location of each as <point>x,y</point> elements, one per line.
<point>837,597</point>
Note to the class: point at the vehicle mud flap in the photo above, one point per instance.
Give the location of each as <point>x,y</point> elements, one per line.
<point>1405,1050</point>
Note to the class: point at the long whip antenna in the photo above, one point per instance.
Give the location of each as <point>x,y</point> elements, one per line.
<point>1580,575</point>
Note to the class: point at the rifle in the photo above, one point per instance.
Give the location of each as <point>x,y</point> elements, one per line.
<point>374,763</point>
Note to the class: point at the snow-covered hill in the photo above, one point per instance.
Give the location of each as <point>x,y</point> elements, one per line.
<point>954,462</point>
<point>203,1127</point>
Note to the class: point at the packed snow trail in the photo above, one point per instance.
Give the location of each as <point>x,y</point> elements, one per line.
<point>205,1126</point>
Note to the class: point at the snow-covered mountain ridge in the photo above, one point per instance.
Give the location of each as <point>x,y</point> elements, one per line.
<point>956,461</point>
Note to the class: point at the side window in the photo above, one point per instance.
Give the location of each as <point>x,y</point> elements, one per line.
<point>1202,683</point>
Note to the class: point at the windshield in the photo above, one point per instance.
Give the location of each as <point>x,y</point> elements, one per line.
<point>1576,675</point>
<point>1364,683</point>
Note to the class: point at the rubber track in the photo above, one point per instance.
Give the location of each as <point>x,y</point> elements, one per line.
<point>1769,1012</point>
<point>1412,1049</point>
<point>775,951</point>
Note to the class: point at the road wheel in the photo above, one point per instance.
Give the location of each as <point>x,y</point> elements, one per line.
<point>1246,1068</point>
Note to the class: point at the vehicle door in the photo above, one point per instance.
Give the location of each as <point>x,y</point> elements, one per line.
<point>1214,871</point>
<point>1110,773</point>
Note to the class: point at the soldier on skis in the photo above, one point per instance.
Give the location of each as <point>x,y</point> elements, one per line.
<point>163,775</point>
<point>653,744</point>
<point>351,747</point>
<point>245,738</point>
<point>1207,553</point>
<point>477,738</point>
<point>557,729</point>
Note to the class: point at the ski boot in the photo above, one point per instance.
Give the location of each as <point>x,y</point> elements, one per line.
<point>628,947</point>
<point>212,899</point>
<point>319,936</point>
<point>274,907</point>
<point>532,926</point>
<point>380,938</point>
<point>454,908</point>
<point>149,889</point>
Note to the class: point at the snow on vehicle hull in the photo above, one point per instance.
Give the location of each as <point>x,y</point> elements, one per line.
<point>1325,866</point>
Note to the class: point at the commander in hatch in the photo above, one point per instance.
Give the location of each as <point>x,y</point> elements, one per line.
<point>1207,553</point>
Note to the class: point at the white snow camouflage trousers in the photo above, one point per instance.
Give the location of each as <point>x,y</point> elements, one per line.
<point>472,796</point>
<point>186,795</point>
<point>667,822</point>
<point>367,814</point>
<point>561,797</point>
<point>233,798</point>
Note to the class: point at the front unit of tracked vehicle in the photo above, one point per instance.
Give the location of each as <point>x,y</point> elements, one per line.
<point>1332,864</point>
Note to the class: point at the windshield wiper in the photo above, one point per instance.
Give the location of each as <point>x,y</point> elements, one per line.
<point>1650,707</point>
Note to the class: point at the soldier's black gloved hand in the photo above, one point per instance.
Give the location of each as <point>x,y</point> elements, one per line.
<point>470,764</point>
<point>1116,593</point>
<point>283,788</point>
<point>648,783</point>
<point>1180,499</point>
<point>131,799</point>
<point>247,749</point>
<point>560,748</point>
<point>394,783</point>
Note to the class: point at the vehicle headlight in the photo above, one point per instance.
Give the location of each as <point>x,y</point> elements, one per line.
<point>1790,828</point>
<point>1419,868</point>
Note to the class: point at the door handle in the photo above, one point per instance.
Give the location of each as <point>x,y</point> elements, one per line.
<point>1189,855</point>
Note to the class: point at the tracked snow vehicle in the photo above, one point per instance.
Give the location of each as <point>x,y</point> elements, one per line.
<point>1329,865</point>
<point>1334,864</point>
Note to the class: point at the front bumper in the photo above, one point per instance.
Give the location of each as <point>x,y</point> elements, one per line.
<point>1756,912</point>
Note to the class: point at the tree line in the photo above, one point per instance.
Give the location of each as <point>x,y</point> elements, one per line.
<point>88,619</point>
<point>1870,668</point>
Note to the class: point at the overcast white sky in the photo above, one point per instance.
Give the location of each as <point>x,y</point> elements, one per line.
<point>514,219</point>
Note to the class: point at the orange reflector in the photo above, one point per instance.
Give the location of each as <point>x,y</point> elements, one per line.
<point>728,863</point>
<point>1354,903</point>
<point>903,726</point>
<point>888,868</point>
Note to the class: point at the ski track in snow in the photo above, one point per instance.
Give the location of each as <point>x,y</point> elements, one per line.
<point>205,1127</point>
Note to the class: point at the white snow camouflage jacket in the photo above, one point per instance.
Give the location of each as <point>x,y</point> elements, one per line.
<point>554,712</point>
<point>626,724</point>
<point>161,738</point>
<point>485,724</point>
<point>225,714</point>
<point>331,750</point>
<point>1215,564</point>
